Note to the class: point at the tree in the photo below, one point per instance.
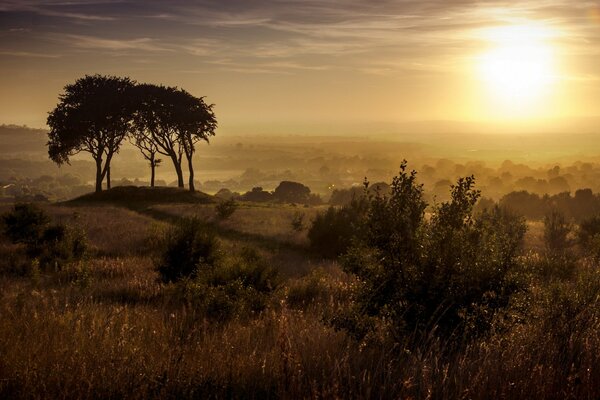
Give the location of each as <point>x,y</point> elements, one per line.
<point>142,139</point>
<point>292,192</point>
<point>153,118</point>
<point>93,115</point>
<point>195,122</point>
<point>175,121</point>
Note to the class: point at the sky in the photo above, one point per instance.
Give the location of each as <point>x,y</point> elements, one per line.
<point>322,65</point>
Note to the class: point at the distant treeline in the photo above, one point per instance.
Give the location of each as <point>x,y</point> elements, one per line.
<point>583,204</point>
<point>578,207</point>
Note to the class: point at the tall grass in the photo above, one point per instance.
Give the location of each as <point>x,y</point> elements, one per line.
<point>107,327</point>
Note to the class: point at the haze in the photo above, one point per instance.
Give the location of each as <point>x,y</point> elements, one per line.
<point>320,67</point>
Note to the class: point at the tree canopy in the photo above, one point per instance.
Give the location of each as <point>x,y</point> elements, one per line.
<point>93,115</point>
<point>97,112</point>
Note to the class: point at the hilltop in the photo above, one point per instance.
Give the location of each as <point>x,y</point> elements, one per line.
<point>134,195</point>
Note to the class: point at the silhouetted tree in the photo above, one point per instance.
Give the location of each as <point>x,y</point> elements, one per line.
<point>142,139</point>
<point>93,115</point>
<point>195,121</point>
<point>154,116</point>
<point>175,121</point>
<point>292,192</point>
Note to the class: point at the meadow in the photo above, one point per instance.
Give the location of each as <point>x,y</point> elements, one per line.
<point>108,327</point>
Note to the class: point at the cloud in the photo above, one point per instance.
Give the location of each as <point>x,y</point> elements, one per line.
<point>116,45</point>
<point>27,54</point>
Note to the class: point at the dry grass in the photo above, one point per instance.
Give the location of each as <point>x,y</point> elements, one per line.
<point>111,231</point>
<point>107,328</point>
<point>265,220</point>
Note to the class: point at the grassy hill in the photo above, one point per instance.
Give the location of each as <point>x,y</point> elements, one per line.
<point>132,196</point>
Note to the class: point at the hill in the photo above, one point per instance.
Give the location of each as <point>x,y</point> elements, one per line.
<point>135,196</point>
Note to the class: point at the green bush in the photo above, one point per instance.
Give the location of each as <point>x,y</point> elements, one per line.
<point>556,233</point>
<point>332,231</point>
<point>447,275</point>
<point>235,286</point>
<point>60,245</point>
<point>308,290</point>
<point>188,248</point>
<point>225,209</point>
<point>297,222</point>
<point>25,223</point>
<point>51,245</point>
<point>588,236</point>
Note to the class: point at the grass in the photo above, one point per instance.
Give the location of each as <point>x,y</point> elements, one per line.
<point>135,196</point>
<point>107,328</point>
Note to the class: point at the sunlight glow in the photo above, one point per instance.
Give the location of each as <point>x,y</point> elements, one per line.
<point>519,68</point>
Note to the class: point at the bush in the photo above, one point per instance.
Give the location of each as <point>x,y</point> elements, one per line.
<point>298,222</point>
<point>556,233</point>
<point>225,209</point>
<point>60,245</point>
<point>332,231</point>
<point>25,223</point>
<point>51,245</point>
<point>447,276</point>
<point>188,248</point>
<point>588,236</point>
<point>236,286</point>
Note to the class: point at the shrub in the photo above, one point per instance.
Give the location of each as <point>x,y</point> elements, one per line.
<point>236,286</point>
<point>446,276</point>
<point>588,236</point>
<point>298,222</point>
<point>225,209</point>
<point>51,245</point>
<point>556,233</point>
<point>332,231</point>
<point>25,223</point>
<point>60,245</point>
<point>188,248</point>
<point>308,290</point>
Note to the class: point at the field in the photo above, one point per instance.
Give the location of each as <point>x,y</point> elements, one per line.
<point>107,327</point>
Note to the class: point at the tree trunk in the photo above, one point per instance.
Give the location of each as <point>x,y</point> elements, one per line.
<point>108,177</point>
<point>179,171</point>
<point>152,169</point>
<point>99,177</point>
<point>191,168</point>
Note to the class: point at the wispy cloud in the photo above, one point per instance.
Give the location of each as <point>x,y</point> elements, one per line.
<point>27,54</point>
<point>116,45</point>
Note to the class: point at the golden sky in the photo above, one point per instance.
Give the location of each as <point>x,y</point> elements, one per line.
<point>314,63</point>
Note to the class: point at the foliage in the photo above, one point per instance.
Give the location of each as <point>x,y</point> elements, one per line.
<point>292,192</point>
<point>588,236</point>
<point>297,222</point>
<point>235,286</point>
<point>188,248</point>
<point>332,231</point>
<point>446,276</point>
<point>25,223</point>
<point>556,233</point>
<point>257,194</point>
<point>226,208</point>
<point>171,121</point>
<point>93,115</point>
<point>51,245</point>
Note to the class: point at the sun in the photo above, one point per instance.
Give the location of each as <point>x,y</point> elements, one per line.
<point>518,68</point>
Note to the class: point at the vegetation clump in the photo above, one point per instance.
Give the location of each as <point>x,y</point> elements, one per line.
<point>447,275</point>
<point>188,248</point>
<point>220,286</point>
<point>332,231</point>
<point>226,208</point>
<point>49,245</point>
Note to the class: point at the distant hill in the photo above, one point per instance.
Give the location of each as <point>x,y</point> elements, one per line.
<point>132,196</point>
<point>16,139</point>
